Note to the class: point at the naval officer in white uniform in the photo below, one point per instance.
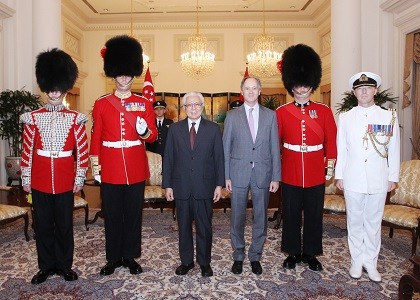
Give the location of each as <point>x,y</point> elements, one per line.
<point>368,165</point>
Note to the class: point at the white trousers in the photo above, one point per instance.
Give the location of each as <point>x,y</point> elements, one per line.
<point>364,217</point>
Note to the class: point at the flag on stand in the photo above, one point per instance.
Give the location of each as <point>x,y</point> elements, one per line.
<point>148,90</point>
<point>241,97</point>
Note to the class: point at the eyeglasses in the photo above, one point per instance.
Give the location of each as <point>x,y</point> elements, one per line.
<point>192,105</point>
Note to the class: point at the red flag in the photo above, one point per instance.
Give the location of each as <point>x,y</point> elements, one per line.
<point>148,89</point>
<point>241,97</point>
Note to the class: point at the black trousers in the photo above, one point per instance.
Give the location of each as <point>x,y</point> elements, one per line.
<point>310,200</point>
<point>53,217</point>
<point>201,211</point>
<point>122,207</point>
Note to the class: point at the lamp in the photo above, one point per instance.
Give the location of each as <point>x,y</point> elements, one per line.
<point>197,62</point>
<point>146,58</point>
<point>263,61</point>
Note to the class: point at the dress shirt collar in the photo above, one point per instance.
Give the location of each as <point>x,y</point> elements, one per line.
<point>197,123</point>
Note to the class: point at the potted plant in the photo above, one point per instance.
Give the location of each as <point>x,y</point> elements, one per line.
<point>13,104</point>
<point>350,100</point>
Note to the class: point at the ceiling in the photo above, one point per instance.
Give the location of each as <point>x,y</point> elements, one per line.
<point>115,11</point>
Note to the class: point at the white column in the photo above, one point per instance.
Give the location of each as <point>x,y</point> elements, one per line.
<point>345,46</point>
<point>46,33</point>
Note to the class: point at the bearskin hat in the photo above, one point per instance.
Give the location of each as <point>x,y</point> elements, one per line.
<point>55,70</point>
<point>123,56</point>
<point>301,66</point>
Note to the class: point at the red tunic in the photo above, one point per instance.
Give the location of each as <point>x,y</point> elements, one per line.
<point>126,165</point>
<point>306,169</point>
<point>54,128</point>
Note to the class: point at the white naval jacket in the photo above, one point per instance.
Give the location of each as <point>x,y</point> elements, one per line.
<point>362,169</point>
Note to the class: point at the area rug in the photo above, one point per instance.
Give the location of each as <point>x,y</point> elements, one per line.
<point>18,263</point>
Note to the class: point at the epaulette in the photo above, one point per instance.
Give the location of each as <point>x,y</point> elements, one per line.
<point>81,118</point>
<point>104,96</point>
<point>26,118</point>
<point>140,96</point>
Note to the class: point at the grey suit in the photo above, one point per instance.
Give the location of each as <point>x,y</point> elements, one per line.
<point>250,166</point>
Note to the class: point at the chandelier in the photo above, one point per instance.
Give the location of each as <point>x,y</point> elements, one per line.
<point>197,62</point>
<point>263,61</point>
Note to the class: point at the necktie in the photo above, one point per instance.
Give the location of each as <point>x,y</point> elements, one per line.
<point>193,134</point>
<point>251,123</point>
<point>159,124</point>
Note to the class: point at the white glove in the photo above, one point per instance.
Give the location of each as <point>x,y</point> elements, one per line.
<point>141,126</point>
<point>97,178</point>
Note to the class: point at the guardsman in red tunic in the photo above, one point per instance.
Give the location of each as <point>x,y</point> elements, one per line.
<point>122,123</point>
<point>54,163</point>
<point>307,134</point>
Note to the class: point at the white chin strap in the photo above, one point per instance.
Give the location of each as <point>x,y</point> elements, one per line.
<point>61,97</point>
<point>124,84</point>
<point>302,94</point>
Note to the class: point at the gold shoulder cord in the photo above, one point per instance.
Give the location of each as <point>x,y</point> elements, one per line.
<point>374,140</point>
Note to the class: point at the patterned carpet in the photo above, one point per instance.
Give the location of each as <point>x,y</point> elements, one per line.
<point>18,263</point>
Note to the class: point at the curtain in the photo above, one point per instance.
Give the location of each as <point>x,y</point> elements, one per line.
<point>415,100</point>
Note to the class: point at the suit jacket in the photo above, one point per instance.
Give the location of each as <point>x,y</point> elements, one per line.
<point>158,146</point>
<point>194,172</point>
<point>241,152</point>
<point>362,169</point>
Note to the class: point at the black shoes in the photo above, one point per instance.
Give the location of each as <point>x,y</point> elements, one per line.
<point>256,267</point>
<point>183,269</point>
<point>132,265</point>
<point>69,275</point>
<point>291,261</point>
<point>237,267</point>
<point>42,275</point>
<point>312,262</point>
<point>206,271</point>
<point>110,267</point>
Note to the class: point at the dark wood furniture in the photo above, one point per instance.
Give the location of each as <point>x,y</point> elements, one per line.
<point>410,283</point>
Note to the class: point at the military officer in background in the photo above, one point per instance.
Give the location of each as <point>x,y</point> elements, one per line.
<point>368,166</point>
<point>307,135</point>
<point>54,163</point>
<point>122,123</point>
<point>162,125</point>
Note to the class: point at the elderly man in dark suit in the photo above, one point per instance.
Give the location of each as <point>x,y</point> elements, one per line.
<point>252,161</point>
<point>193,175</point>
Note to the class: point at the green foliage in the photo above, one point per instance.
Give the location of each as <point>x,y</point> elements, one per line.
<point>350,100</point>
<point>270,101</point>
<point>12,105</point>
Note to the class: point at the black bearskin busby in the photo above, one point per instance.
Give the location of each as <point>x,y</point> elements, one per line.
<point>301,66</point>
<point>123,56</point>
<point>55,70</point>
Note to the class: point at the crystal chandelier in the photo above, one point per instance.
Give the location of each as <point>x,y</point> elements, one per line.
<point>263,61</point>
<point>197,62</point>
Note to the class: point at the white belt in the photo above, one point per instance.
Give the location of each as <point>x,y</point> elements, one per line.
<point>54,154</point>
<point>303,148</point>
<point>121,144</point>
